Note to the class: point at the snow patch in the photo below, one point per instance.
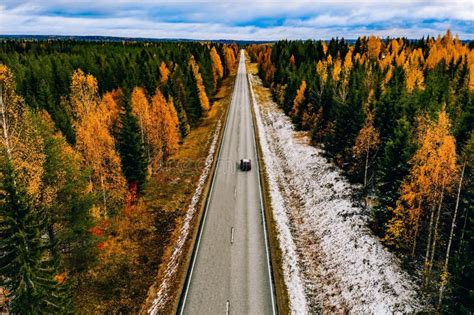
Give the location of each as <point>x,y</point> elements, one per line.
<point>331,260</point>
<point>162,296</point>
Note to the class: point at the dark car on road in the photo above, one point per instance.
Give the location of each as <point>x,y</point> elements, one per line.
<point>245,165</point>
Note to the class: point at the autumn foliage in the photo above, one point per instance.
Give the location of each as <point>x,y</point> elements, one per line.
<point>75,218</point>
<point>203,99</point>
<point>396,116</point>
<point>217,68</point>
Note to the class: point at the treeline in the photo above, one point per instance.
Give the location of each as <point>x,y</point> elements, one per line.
<point>397,116</point>
<point>83,127</point>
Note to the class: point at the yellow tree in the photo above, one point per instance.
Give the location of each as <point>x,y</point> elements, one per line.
<point>154,122</point>
<point>413,71</point>
<point>229,57</point>
<point>111,109</point>
<point>325,48</point>
<point>347,66</point>
<point>164,72</point>
<point>217,69</point>
<point>141,110</point>
<point>165,123</point>
<point>95,142</point>
<point>84,93</point>
<point>203,99</point>
<point>401,58</point>
<point>446,172</point>
<point>374,46</point>
<point>388,77</point>
<point>322,71</point>
<point>299,98</point>
<point>340,75</point>
<point>433,173</point>
<point>470,62</point>
<point>292,60</point>
<point>267,66</point>
<point>366,142</point>
<point>21,144</point>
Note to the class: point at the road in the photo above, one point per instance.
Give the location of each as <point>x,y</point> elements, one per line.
<point>230,273</point>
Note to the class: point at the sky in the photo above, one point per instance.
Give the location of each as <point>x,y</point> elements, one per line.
<point>238,19</point>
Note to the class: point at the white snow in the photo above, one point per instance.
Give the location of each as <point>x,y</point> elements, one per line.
<point>332,261</point>
<point>163,294</point>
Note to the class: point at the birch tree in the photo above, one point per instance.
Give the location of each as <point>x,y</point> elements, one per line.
<point>367,141</point>
<point>95,142</point>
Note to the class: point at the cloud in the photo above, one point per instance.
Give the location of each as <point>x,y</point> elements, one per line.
<point>243,19</point>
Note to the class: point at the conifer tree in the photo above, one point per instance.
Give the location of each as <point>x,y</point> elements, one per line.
<point>25,266</point>
<point>132,151</point>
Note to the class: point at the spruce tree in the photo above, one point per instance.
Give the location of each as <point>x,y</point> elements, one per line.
<point>26,268</point>
<point>394,166</point>
<point>132,151</point>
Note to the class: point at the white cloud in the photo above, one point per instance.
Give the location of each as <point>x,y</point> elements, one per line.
<point>259,20</point>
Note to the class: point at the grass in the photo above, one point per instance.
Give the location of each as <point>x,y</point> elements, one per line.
<point>170,191</point>
<point>275,250</point>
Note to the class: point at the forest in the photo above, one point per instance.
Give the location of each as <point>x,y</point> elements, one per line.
<point>84,127</point>
<point>397,116</point>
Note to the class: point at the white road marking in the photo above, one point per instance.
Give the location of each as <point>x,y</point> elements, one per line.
<point>227,307</point>
<point>232,235</point>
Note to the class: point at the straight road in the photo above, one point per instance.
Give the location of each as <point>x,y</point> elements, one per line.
<point>230,273</point>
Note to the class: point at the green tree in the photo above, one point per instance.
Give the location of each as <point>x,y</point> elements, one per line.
<point>132,151</point>
<point>26,269</point>
<point>393,167</point>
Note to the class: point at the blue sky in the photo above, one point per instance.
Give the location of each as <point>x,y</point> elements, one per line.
<point>238,19</point>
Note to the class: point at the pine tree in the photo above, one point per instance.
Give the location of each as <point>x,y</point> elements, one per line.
<point>132,151</point>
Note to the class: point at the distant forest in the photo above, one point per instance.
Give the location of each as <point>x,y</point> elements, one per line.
<point>397,116</point>
<point>84,126</point>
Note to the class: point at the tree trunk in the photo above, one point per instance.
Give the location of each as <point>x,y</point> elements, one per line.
<point>463,230</point>
<point>453,225</point>
<point>366,167</point>
<point>435,236</point>
<point>417,228</point>
<point>428,243</point>
<point>5,127</point>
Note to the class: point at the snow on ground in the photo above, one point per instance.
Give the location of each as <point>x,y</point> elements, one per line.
<point>332,262</point>
<point>163,294</point>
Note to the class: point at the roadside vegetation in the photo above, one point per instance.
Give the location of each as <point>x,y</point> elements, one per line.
<point>90,135</point>
<point>396,116</point>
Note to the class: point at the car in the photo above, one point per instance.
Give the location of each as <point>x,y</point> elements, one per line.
<point>245,165</point>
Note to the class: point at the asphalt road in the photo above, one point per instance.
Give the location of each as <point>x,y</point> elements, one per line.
<point>231,272</point>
